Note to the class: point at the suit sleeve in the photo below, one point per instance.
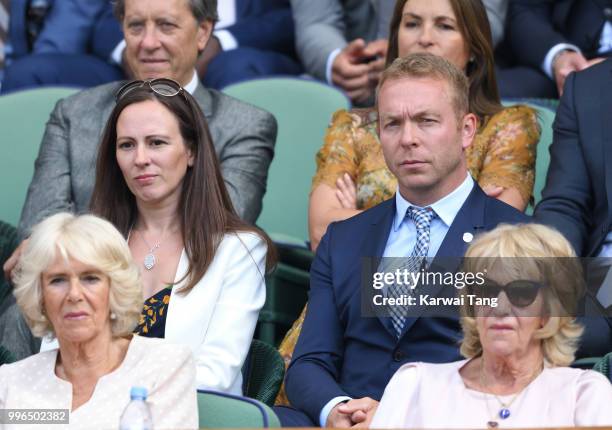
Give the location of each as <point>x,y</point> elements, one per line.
<point>245,161</point>
<point>68,28</point>
<point>531,29</point>
<point>312,376</point>
<point>319,30</point>
<point>50,190</point>
<point>270,30</point>
<point>567,195</point>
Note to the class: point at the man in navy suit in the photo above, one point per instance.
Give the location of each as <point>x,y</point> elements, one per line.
<point>343,360</point>
<point>576,198</point>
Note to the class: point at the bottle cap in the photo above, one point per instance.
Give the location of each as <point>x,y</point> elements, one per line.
<point>138,393</point>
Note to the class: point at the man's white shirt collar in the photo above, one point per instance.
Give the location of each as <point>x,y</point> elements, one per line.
<point>193,84</point>
<point>446,208</point>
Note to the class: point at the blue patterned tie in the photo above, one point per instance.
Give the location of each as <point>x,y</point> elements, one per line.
<point>422,220</point>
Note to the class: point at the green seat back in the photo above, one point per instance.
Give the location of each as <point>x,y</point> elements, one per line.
<point>263,372</point>
<point>603,365</point>
<point>23,116</point>
<point>220,410</point>
<point>286,295</point>
<point>546,116</point>
<point>6,356</point>
<point>303,109</point>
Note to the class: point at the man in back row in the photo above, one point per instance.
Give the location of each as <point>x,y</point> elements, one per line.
<point>343,360</point>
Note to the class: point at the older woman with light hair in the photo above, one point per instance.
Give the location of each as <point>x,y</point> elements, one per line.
<point>76,282</point>
<point>520,335</point>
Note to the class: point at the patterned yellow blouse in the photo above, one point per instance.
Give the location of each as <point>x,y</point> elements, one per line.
<point>502,154</point>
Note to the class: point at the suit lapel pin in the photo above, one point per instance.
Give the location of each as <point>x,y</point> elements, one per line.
<point>467,237</point>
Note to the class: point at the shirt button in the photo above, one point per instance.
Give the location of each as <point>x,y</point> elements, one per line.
<point>398,356</point>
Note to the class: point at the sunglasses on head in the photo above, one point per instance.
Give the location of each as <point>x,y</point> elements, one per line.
<point>520,293</point>
<point>162,86</point>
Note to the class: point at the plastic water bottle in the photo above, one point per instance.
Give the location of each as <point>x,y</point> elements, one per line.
<point>136,415</point>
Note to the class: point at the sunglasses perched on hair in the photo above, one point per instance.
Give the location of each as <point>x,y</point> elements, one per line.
<point>162,86</point>
<point>520,293</point>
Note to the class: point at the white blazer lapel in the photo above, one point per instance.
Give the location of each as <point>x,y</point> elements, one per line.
<point>176,300</point>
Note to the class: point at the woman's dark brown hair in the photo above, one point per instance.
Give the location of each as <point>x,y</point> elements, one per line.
<point>473,24</point>
<point>205,209</point>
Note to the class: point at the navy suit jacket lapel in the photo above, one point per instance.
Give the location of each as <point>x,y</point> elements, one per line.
<point>469,219</point>
<point>375,242</point>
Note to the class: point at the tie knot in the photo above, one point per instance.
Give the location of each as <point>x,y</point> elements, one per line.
<point>421,216</point>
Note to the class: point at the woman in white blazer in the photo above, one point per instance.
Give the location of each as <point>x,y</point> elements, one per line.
<point>158,181</point>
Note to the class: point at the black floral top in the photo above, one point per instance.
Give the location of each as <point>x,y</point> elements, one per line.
<point>152,322</point>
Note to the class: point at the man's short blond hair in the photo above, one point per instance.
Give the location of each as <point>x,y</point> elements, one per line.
<point>429,66</point>
<point>92,241</point>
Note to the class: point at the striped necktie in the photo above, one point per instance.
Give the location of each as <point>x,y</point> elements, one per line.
<point>422,218</point>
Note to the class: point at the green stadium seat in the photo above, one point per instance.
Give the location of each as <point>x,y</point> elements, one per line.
<point>220,410</point>
<point>263,372</point>
<point>23,116</point>
<point>6,356</point>
<point>602,365</point>
<point>303,109</point>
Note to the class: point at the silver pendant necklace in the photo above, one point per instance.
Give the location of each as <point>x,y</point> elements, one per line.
<point>149,259</point>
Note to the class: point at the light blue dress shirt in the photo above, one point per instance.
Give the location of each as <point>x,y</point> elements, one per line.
<point>402,240</point>
<point>402,237</point>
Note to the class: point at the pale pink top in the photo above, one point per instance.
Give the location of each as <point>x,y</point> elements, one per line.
<point>166,370</point>
<point>423,395</point>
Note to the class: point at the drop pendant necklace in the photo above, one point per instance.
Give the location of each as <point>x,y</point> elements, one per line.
<point>149,259</point>
<point>504,411</point>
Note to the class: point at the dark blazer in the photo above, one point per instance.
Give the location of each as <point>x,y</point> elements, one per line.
<point>535,26</point>
<point>265,25</point>
<point>578,187</point>
<point>339,351</point>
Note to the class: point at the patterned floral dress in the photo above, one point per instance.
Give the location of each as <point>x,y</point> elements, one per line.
<point>152,321</point>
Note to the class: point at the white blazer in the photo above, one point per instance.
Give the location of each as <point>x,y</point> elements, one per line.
<point>217,318</point>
